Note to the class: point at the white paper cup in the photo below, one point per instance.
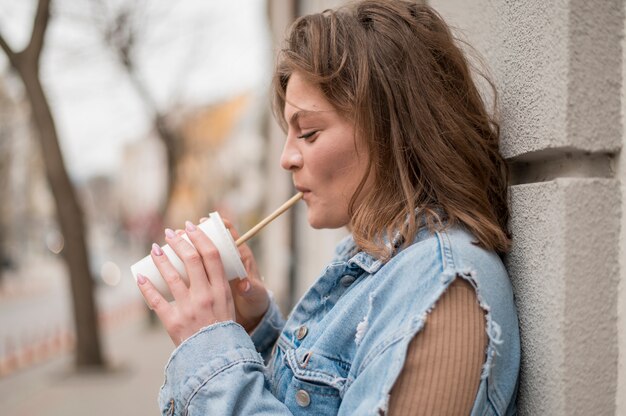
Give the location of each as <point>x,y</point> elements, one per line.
<point>214,228</point>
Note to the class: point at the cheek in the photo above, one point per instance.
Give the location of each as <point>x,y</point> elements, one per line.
<point>337,170</point>
<point>343,178</point>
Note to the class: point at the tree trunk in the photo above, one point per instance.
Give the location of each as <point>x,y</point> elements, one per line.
<point>70,217</point>
<point>69,213</point>
<point>173,146</point>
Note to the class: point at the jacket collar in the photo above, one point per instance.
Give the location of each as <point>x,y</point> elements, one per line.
<point>348,252</point>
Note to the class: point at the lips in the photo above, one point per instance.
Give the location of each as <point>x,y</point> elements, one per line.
<point>306,192</point>
<point>302,189</point>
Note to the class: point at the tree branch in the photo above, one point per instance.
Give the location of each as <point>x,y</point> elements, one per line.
<point>40,24</point>
<point>8,51</point>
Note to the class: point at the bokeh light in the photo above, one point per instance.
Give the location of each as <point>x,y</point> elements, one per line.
<point>55,241</point>
<point>110,273</point>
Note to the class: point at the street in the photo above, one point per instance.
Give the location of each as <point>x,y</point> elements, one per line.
<point>37,377</point>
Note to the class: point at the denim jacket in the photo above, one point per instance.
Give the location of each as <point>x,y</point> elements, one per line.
<point>344,344</point>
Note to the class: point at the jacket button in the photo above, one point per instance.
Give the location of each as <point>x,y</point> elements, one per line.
<point>302,398</point>
<point>347,280</point>
<point>302,331</point>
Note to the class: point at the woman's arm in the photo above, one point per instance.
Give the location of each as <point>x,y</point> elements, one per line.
<point>265,334</point>
<point>443,365</point>
<point>218,371</point>
<point>215,368</point>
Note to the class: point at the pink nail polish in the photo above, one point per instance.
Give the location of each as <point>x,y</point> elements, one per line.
<point>141,279</point>
<point>189,226</point>
<point>156,249</point>
<point>169,233</point>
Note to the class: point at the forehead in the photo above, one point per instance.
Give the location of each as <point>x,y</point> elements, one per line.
<point>304,99</point>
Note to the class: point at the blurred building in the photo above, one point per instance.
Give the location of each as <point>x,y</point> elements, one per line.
<point>221,162</point>
<point>219,169</point>
<point>141,188</point>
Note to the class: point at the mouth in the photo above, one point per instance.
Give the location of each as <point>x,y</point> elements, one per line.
<point>304,190</point>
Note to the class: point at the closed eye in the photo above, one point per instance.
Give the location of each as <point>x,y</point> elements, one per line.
<point>307,135</point>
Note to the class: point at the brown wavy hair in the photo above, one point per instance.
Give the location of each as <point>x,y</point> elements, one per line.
<point>395,69</point>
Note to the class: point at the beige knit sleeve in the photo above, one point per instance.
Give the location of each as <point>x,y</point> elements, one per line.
<point>442,370</point>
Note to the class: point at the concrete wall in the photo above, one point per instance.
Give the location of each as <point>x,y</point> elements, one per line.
<point>620,173</point>
<point>558,67</point>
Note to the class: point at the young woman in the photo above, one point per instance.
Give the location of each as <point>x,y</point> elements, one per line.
<point>387,135</point>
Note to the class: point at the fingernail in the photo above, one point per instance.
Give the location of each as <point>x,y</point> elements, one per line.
<point>141,279</point>
<point>248,286</point>
<point>189,226</point>
<point>156,249</point>
<point>169,233</point>
<point>203,219</point>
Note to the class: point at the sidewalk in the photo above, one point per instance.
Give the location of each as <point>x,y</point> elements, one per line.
<point>136,356</point>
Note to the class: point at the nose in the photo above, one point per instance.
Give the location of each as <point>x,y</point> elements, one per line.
<point>291,158</point>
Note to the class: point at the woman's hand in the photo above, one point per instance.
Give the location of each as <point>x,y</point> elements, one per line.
<point>207,300</point>
<point>249,294</point>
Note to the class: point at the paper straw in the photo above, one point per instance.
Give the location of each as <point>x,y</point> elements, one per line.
<point>284,207</point>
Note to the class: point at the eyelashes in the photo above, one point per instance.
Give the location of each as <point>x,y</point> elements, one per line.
<point>308,135</point>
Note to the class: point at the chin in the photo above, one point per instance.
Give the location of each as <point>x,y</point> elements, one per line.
<point>319,222</point>
<point>315,222</point>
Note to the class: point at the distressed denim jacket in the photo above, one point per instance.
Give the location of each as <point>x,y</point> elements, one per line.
<point>344,344</point>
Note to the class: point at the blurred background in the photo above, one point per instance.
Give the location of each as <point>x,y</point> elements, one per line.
<point>118,119</point>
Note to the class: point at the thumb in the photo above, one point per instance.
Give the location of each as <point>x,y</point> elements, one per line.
<point>249,288</point>
<point>244,286</point>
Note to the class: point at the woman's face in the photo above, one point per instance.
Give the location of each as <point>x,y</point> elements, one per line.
<point>325,158</point>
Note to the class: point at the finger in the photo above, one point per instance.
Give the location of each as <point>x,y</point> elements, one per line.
<point>153,298</point>
<point>209,254</point>
<point>249,288</point>
<point>229,226</point>
<point>242,287</point>
<point>243,248</point>
<point>175,283</point>
<point>180,232</point>
<point>191,258</point>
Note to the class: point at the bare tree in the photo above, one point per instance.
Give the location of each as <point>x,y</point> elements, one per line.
<point>120,32</point>
<point>69,213</point>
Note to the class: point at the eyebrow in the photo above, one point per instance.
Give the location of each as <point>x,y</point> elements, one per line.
<point>304,113</point>
<point>298,115</point>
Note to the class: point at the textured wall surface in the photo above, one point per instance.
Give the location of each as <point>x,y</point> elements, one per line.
<point>558,68</point>
<point>620,167</point>
<point>565,274</point>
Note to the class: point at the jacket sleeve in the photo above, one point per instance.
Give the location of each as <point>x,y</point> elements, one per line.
<point>218,371</point>
<point>267,331</point>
